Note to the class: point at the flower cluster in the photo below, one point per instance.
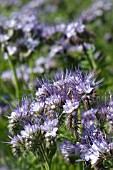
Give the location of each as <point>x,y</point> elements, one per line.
<point>9,3</point>
<point>97,10</point>
<point>23,33</point>
<point>21,23</point>
<point>95,145</point>
<point>35,123</point>
<point>31,33</point>
<point>31,130</point>
<point>70,41</point>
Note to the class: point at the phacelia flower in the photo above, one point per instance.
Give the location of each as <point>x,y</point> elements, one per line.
<point>69,150</point>
<point>50,128</point>
<point>89,117</point>
<point>37,120</point>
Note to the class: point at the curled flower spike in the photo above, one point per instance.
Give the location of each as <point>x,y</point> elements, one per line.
<point>36,122</point>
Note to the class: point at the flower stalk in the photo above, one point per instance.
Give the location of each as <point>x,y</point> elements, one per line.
<point>16,84</point>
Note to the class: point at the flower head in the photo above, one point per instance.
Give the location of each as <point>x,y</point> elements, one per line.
<point>89,117</point>
<point>93,144</point>
<point>50,127</point>
<point>69,150</point>
<point>37,121</point>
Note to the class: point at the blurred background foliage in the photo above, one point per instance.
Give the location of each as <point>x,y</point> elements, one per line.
<point>67,11</point>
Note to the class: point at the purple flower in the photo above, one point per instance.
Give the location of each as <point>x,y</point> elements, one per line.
<point>86,83</point>
<point>69,150</point>
<point>97,10</point>
<point>9,3</point>
<point>29,130</point>
<point>4,37</point>
<point>15,139</point>
<point>50,127</point>
<point>109,109</point>
<point>70,106</point>
<point>70,82</point>
<point>93,144</point>
<point>21,110</point>
<point>53,101</point>
<point>74,28</point>
<point>37,106</point>
<point>105,114</point>
<point>39,119</point>
<point>89,117</point>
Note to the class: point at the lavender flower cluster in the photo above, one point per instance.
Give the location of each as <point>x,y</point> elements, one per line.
<point>9,3</point>
<point>21,23</point>
<point>94,145</point>
<point>97,10</point>
<point>31,32</point>
<point>70,41</point>
<point>23,32</point>
<point>35,123</point>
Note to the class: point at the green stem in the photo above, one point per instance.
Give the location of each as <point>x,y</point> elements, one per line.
<point>15,77</point>
<point>42,157</point>
<point>37,154</point>
<point>47,167</point>
<point>81,165</point>
<point>47,163</point>
<point>91,59</point>
<point>31,73</point>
